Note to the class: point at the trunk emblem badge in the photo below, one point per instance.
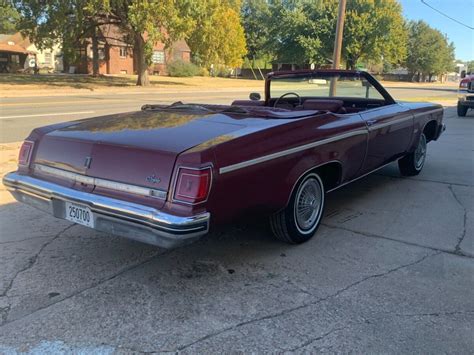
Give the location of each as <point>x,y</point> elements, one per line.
<point>153,179</point>
<point>87,162</point>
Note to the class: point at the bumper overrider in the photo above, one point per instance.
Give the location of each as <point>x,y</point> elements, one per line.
<point>130,220</point>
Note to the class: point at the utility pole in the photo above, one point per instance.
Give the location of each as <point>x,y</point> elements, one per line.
<point>336,58</point>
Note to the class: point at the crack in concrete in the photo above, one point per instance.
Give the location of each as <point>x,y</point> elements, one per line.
<point>93,285</point>
<point>321,337</point>
<point>4,313</point>
<point>26,239</point>
<point>294,285</point>
<point>31,262</point>
<point>304,305</point>
<point>425,180</point>
<point>457,247</point>
<point>132,350</point>
<point>313,340</point>
<point>434,314</point>
<point>378,236</point>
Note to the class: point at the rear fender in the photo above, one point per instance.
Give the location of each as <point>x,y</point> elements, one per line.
<point>304,167</point>
<point>421,121</point>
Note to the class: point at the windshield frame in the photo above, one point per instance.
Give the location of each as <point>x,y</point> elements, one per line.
<point>327,73</point>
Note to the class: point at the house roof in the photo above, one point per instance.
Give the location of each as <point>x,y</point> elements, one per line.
<point>181,46</point>
<point>15,48</point>
<point>15,43</point>
<point>112,35</point>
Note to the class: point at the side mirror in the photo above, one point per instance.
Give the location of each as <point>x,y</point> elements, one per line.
<point>255,96</point>
<point>463,74</point>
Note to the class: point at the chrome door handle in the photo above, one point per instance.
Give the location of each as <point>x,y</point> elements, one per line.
<point>370,122</point>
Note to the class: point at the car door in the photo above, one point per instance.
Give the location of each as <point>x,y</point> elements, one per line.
<point>390,133</point>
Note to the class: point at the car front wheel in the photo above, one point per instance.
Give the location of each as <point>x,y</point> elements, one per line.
<point>411,164</point>
<point>298,222</point>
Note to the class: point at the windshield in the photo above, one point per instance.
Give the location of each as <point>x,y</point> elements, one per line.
<point>319,85</point>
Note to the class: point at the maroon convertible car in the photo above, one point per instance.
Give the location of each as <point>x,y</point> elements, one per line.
<point>165,174</point>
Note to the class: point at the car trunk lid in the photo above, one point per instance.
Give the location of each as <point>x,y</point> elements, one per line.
<point>137,148</point>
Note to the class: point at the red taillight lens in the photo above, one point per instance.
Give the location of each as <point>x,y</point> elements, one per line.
<point>192,186</point>
<point>25,153</point>
<point>463,84</point>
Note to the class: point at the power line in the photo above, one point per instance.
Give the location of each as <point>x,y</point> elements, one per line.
<point>442,13</point>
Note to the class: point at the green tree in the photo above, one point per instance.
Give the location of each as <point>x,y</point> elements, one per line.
<point>70,22</point>
<point>374,29</point>
<point>218,36</point>
<point>146,22</point>
<point>66,22</point>
<point>8,17</point>
<point>303,31</point>
<point>429,52</point>
<point>470,66</point>
<point>256,16</point>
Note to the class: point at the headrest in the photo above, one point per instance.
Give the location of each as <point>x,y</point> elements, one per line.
<point>323,105</point>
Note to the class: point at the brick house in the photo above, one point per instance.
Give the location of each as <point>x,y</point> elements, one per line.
<point>116,55</point>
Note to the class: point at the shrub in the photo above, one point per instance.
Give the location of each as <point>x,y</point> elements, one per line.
<point>221,71</point>
<point>180,68</point>
<point>203,71</point>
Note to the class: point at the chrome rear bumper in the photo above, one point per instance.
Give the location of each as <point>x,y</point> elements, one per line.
<point>130,220</point>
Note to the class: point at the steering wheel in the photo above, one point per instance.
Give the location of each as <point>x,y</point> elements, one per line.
<point>285,95</point>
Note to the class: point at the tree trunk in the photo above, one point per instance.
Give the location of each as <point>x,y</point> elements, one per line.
<point>351,63</point>
<point>95,53</point>
<point>142,67</point>
<point>65,63</point>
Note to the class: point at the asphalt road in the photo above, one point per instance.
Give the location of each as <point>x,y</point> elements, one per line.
<point>18,116</point>
<point>390,271</point>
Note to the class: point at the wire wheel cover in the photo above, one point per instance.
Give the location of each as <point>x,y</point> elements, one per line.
<point>420,153</point>
<point>308,204</point>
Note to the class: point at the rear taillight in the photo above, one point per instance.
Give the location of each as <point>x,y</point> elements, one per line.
<point>193,185</point>
<point>25,153</point>
<point>463,84</point>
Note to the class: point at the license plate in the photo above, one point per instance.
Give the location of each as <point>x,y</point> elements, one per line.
<point>79,214</point>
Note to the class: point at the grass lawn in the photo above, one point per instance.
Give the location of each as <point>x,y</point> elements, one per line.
<point>16,84</point>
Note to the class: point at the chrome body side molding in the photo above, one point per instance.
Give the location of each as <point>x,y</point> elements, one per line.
<point>262,159</point>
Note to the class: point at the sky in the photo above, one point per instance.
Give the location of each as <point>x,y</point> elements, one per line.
<point>461,10</point>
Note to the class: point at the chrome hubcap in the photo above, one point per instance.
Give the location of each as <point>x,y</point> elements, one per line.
<point>420,153</point>
<point>308,204</point>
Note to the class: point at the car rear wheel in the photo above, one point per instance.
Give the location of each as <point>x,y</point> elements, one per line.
<point>298,222</point>
<point>411,164</point>
<point>462,110</point>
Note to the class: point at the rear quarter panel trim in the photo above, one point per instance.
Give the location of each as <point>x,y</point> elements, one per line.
<point>290,151</point>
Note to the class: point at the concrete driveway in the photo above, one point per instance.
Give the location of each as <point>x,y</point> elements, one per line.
<point>390,271</point>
